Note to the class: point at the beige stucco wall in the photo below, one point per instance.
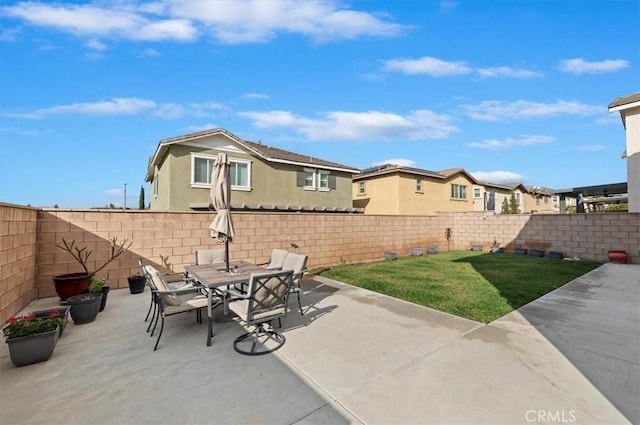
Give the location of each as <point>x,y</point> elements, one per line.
<point>537,203</point>
<point>632,119</point>
<point>271,183</point>
<point>29,257</point>
<point>382,195</point>
<point>396,194</point>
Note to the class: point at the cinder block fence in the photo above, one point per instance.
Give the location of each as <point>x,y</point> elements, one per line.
<point>29,257</point>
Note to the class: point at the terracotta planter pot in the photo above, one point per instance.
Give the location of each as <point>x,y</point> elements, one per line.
<point>70,284</point>
<point>618,256</point>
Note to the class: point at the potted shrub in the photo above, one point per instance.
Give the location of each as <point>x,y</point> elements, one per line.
<point>85,307</point>
<point>69,284</point>
<point>59,311</point>
<point>137,282</point>
<point>98,286</point>
<point>32,339</point>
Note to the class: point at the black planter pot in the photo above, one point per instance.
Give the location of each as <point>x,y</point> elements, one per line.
<point>536,253</point>
<point>85,307</point>
<point>137,284</point>
<point>105,292</point>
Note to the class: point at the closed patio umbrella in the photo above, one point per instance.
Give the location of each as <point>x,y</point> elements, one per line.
<point>222,225</point>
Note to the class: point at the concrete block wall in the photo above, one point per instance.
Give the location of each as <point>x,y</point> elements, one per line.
<point>169,240</point>
<point>586,236</point>
<point>29,258</point>
<point>17,258</point>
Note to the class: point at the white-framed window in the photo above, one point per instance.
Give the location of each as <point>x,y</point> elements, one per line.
<point>419,187</point>
<point>362,188</point>
<point>202,166</point>
<point>476,192</point>
<point>458,191</point>
<point>323,180</point>
<point>240,174</point>
<point>555,199</point>
<point>312,179</point>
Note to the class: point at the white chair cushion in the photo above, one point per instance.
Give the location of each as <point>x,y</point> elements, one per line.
<point>209,256</point>
<point>277,259</point>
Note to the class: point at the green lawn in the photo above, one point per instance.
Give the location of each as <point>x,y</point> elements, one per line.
<point>476,285</point>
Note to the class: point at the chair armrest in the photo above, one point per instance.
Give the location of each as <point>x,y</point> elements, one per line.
<point>178,291</point>
<point>174,276</point>
<point>237,294</point>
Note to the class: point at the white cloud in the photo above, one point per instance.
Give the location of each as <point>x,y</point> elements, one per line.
<point>497,110</point>
<point>115,193</point>
<point>251,21</point>
<point>95,44</point>
<point>362,126</point>
<point>256,96</point>
<point>398,161</point>
<point>591,148</point>
<point>124,106</point>
<point>581,66</point>
<point>117,19</point>
<point>149,53</point>
<point>9,35</point>
<point>196,128</point>
<point>233,22</point>
<point>446,5</point>
<point>508,72</point>
<point>115,106</point>
<point>427,65</point>
<point>498,176</point>
<point>523,140</point>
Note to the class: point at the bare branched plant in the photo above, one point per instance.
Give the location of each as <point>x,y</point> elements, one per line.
<point>81,255</point>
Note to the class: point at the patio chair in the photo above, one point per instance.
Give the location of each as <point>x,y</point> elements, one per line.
<point>209,256</point>
<point>298,264</point>
<point>265,300</point>
<point>171,301</point>
<point>276,259</point>
<point>175,280</point>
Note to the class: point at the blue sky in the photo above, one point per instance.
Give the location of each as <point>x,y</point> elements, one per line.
<point>509,90</point>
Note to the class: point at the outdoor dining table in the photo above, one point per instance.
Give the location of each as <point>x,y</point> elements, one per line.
<point>214,276</point>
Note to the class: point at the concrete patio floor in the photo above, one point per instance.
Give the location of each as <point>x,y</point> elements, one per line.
<point>355,357</point>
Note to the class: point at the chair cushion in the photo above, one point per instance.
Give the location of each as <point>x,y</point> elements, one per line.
<point>277,259</point>
<point>209,256</point>
<point>161,284</point>
<point>199,301</point>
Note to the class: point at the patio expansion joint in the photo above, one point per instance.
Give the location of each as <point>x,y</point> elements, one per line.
<point>330,396</point>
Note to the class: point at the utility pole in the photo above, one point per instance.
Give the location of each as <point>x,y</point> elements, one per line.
<point>125,197</point>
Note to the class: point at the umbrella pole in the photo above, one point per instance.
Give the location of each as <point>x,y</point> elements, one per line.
<point>226,252</point>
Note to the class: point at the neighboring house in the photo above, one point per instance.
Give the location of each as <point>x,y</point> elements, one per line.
<point>262,177</point>
<point>629,108</point>
<point>490,196</point>
<point>398,190</point>
<point>538,200</point>
<point>569,202</point>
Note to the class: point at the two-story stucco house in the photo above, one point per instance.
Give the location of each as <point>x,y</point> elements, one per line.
<point>262,177</point>
<point>398,190</point>
<point>629,108</point>
<point>537,199</point>
<point>490,196</point>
